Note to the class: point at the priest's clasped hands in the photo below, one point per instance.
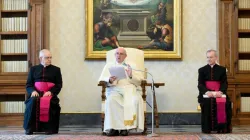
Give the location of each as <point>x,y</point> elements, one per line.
<point>215,94</point>
<point>35,94</point>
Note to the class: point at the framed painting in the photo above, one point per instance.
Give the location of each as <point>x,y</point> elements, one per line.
<point>153,26</point>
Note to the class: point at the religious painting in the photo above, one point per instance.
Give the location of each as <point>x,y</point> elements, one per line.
<point>153,26</point>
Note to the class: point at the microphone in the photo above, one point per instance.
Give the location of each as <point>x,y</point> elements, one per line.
<point>124,64</point>
<point>153,93</point>
<point>141,71</point>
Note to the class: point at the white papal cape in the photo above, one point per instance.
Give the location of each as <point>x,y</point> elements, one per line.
<point>124,103</point>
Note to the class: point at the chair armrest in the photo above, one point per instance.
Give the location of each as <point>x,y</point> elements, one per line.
<point>157,85</point>
<point>103,84</point>
<point>199,108</point>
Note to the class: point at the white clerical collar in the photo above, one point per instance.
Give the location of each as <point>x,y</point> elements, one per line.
<point>44,65</point>
<point>122,63</point>
<point>212,65</point>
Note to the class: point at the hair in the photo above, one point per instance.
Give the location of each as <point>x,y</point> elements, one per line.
<point>41,53</point>
<point>106,14</point>
<point>212,50</point>
<point>125,52</point>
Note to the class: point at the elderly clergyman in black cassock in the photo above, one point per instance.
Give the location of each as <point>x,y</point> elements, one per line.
<point>216,111</point>
<point>42,110</point>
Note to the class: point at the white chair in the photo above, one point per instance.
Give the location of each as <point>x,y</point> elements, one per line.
<point>134,56</point>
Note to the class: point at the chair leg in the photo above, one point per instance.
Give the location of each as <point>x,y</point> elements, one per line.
<point>102,118</point>
<point>156,113</point>
<point>144,131</point>
<point>145,124</point>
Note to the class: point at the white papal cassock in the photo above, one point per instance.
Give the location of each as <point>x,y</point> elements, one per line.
<point>124,103</point>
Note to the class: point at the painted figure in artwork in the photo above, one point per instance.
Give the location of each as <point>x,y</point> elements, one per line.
<point>104,37</point>
<point>160,32</point>
<point>142,24</point>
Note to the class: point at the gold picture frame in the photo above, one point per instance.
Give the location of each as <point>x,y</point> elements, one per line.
<point>176,53</point>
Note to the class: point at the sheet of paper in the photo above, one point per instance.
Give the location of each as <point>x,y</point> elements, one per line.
<point>205,96</point>
<point>118,71</point>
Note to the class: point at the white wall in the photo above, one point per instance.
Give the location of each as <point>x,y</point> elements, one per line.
<point>80,93</point>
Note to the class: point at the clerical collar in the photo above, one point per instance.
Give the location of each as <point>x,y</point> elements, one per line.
<point>43,65</point>
<point>212,65</point>
<point>122,63</point>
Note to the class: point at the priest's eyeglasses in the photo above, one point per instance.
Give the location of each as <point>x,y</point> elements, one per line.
<point>49,57</point>
<point>119,53</point>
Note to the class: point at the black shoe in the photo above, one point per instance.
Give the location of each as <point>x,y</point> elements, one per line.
<point>124,133</point>
<point>113,132</point>
<point>206,132</point>
<point>219,131</point>
<point>27,132</point>
<point>50,133</point>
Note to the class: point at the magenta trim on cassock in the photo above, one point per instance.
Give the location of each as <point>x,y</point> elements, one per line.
<point>44,101</point>
<point>221,102</point>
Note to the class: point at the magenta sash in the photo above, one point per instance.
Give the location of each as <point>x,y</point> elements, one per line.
<point>221,110</point>
<point>220,102</point>
<point>44,101</point>
<point>213,85</point>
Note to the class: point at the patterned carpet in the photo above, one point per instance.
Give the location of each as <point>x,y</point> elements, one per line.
<point>166,136</point>
<point>85,133</point>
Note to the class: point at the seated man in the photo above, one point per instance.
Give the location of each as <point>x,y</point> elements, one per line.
<point>124,105</point>
<point>163,38</point>
<point>42,106</point>
<point>104,37</point>
<point>216,111</point>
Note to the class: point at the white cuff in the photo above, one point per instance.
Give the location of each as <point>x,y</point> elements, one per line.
<point>207,92</point>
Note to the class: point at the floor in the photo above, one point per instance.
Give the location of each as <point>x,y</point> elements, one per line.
<point>76,132</point>
<point>161,129</point>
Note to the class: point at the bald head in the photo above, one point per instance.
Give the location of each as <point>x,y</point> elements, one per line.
<point>45,57</point>
<point>42,52</point>
<point>122,50</point>
<point>120,54</point>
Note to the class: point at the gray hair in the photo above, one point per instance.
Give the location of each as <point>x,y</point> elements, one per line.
<point>41,53</point>
<point>125,52</point>
<point>212,50</point>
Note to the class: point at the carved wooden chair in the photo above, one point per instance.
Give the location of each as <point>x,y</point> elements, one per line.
<point>133,56</point>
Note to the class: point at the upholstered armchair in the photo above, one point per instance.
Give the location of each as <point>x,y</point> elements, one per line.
<point>134,56</point>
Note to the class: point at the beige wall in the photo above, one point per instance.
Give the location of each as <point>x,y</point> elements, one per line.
<point>80,92</point>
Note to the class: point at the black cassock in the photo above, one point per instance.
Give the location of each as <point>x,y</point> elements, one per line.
<point>39,73</point>
<point>208,105</point>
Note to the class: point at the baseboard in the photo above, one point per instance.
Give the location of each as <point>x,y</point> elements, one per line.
<point>164,119</point>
